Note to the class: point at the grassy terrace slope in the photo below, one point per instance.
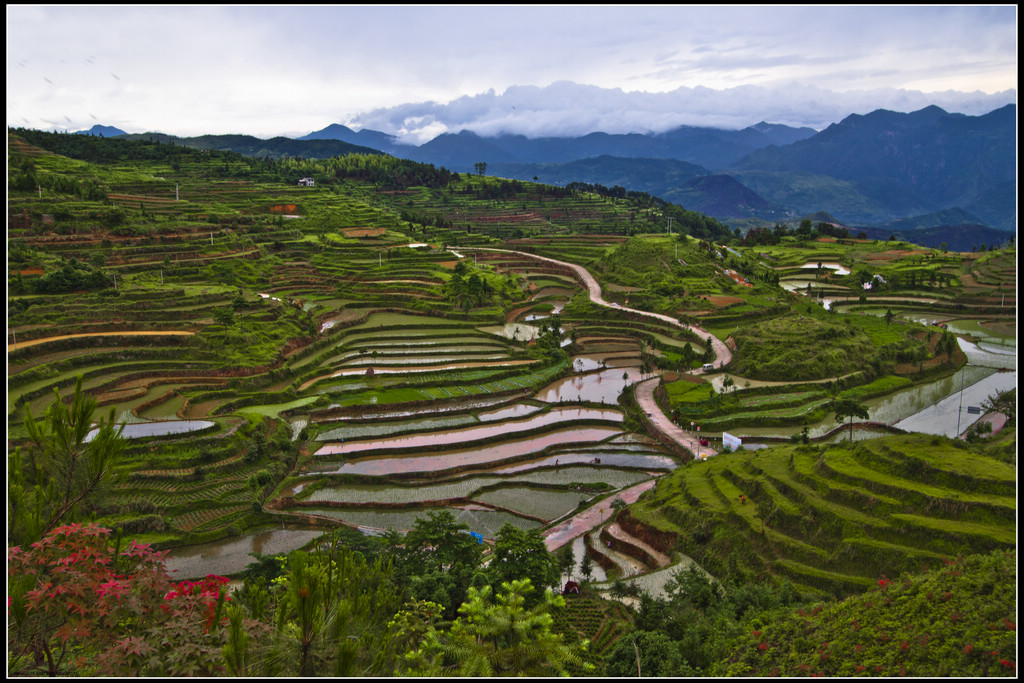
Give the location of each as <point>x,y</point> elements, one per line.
<point>206,291</point>
<point>835,518</point>
<point>958,619</point>
<point>205,286</point>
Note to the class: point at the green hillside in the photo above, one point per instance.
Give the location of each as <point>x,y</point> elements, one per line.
<point>397,340</point>
<point>834,518</point>
<point>958,619</point>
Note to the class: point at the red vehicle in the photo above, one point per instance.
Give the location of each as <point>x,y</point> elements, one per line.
<point>705,442</point>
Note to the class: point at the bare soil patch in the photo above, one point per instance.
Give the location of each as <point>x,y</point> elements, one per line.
<point>363,232</point>
<point>684,377</point>
<point>33,342</point>
<point>1000,326</point>
<point>722,301</point>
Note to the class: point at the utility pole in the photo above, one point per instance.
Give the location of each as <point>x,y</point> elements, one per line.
<point>176,192</point>
<point>961,404</point>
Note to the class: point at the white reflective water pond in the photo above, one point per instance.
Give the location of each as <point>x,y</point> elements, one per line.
<point>143,429</point>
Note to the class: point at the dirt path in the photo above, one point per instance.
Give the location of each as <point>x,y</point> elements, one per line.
<point>722,353</point>
<point>153,333</point>
<point>660,559</point>
<point>592,517</point>
<point>644,392</point>
<point>628,565</point>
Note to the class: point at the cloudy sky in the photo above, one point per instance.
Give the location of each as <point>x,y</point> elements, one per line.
<point>418,71</point>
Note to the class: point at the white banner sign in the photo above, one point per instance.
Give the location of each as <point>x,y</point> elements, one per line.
<point>731,442</point>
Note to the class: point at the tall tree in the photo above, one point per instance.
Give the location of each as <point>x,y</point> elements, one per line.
<point>521,554</point>
<point>224,317</point>
<point>63,467</point>
<point>501,637</point>
<point>1004,402</point>
<point>438,560</point>
<point>848,408</point>
<point>586,566</point>
<point>566,561</point>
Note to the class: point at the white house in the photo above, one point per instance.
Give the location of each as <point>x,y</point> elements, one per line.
<point>308,182</point>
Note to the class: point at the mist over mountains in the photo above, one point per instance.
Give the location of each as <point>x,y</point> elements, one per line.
<point>868,171</point>
<point>567,109</point>
<point>865,170</point>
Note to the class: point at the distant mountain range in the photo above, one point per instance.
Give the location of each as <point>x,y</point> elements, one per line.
<point>953,229</point>
<point>867,170</point>
<point>901,164</point>
<point>708,147</point>
<point>103,131</point>
<point>274,148</point>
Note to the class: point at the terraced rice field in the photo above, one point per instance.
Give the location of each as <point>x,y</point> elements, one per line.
<point>836,517</point>
<point>326,332</point>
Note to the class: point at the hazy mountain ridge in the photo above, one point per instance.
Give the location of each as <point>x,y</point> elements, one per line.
<point>274,148</point>
<point>723,195</point>
<point>913,163</point>
<point>103,131</point>
<point>704,146</point>
<point>959,237</point>
<point>868,169</point>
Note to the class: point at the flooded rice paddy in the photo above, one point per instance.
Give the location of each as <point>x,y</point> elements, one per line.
<point>144,429</point>
<point>452,436</point>
<point>467,486</point>
<point>949,416</point>
<point>480,520</point>
<point>233,555</point>
<point>385,413</point>
<point>514,331</point>
<point>837,268</point>
<point>602,387</point>
<point>474,456</point>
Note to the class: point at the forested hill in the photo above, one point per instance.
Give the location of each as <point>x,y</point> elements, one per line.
<point>274,148</point>
<point>352,162</point>
<point>909,163</point>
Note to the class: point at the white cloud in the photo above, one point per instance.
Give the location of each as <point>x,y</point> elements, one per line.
<point>571,109</point>
<point>268,70</point>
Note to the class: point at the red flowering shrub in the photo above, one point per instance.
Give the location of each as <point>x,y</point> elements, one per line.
<point>78,604</point>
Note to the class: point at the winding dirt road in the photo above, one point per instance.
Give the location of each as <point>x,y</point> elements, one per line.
<point>722,354</point>
<point>645,390</point>
<point>592,517</point>
<point>121,333</point>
